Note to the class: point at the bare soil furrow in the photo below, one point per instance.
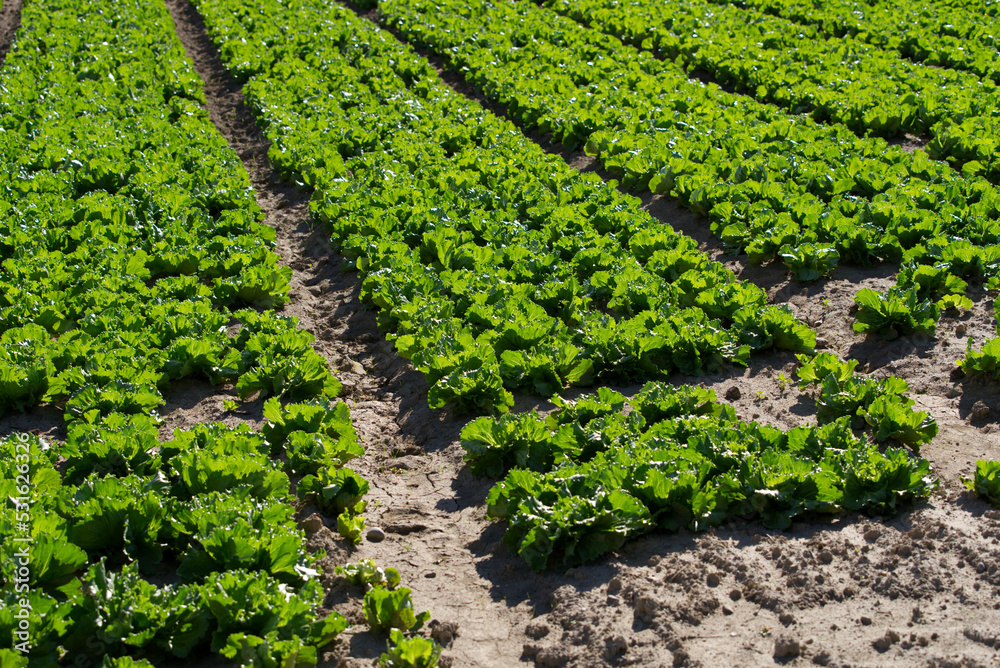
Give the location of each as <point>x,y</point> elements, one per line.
<point>323,298</point>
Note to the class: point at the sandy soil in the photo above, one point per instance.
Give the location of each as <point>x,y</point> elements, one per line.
<point>919,589</point>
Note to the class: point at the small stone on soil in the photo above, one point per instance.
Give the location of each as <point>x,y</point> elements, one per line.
<point>886,641</point>
<point>615,646</point>
<point>786,618</point>
<point>867,621</point>
<point>375,535</point>
<point>733,393</point>
<point>822,658</point>
<point>736,594</point>
<point>980,411</point>
<point>645,608</point>
<point>352,366</point>
<point>713,580</point>
<point>727,610</point>
<point>444,632</point>
<point>786,647</point>
<point>882,644</point>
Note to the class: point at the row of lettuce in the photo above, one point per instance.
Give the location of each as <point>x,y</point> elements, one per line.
<point>767,181</point>
<point>941,33</point>
<point>594,473</point>
<point>210,511</point>
<point>774,185</point>
<point>797,67</point>
<point>597,471</point>
<point>495,267</point>
<point>463,331</point>
<point>133,256</point>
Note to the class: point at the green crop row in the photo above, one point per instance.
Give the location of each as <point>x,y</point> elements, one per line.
<point>495,267</point>
<point>950,34</point>
<point>126,254</point>
<point>133,255</point>
<point>209,508</point>
<point>943,33</point>
<point>843,80</point>
<point>588,477</point>
<point>772,184</point>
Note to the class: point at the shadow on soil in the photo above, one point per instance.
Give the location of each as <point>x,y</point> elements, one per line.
<point>44,421</point>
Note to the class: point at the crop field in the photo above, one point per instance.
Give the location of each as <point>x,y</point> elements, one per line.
<point>412,333</point>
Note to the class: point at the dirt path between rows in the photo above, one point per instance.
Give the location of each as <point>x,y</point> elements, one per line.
<point>921,589</point>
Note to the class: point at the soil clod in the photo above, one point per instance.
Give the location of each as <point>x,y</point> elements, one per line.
<point>786,647</point>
